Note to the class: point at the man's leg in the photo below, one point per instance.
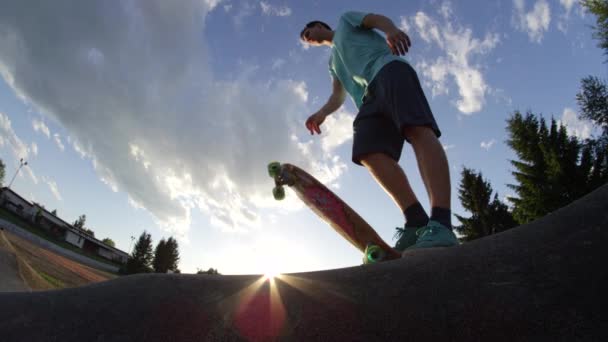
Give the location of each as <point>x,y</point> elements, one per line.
<point>391,177</point>
<point>434,169</point>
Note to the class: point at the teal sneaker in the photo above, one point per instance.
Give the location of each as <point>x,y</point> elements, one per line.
<point>435,235</point>
<point>407,237</point>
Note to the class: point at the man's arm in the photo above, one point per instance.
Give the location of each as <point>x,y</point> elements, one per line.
<point>398,41</point>
<point>378,21</point>
<point>336,100</point>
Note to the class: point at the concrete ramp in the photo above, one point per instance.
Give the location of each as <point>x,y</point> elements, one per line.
<point>10,278</point>
<point>544,281</point>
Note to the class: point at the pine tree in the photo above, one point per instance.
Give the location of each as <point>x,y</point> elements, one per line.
<point>593,102</point>
<point>553,169</point>
<point>486,217</point>
<point>2,172</point>
<point>82,219</point>
<point>527,134</point>
<point>173,254</point>
<point>160,257</point>
<point>166,256</point>
<point>600,9</point>
<point>140,261</point>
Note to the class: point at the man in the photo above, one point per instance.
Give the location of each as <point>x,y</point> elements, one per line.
<point>392,108</point>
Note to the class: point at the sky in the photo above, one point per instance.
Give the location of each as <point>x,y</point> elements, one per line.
<point>162,116</point>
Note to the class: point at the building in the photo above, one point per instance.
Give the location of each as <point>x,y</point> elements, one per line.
<point>58,228</point>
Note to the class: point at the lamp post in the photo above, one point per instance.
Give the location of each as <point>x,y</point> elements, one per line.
<point>21,164</point>
<point>131,244</point>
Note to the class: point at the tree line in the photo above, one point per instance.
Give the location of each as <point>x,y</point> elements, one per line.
<point>552,169</point>
<point>145,259</point>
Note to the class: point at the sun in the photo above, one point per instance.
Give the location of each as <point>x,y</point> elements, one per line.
<point>271,274</point>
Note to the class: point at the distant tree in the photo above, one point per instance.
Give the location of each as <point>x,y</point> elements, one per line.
<point>54,212</point>
<point>109,242</point>
<point>140,261</point>
<point>593,102</point>
<point>595,160</point>
<point>2,172</point>
<point>166,256</point>
<point>211,271</point>
<point>600,9</point>
<point>80,222</point>
<point>487,217</point>
<point>38,204</point>
<point>89,232</point>
<point>38,216</point>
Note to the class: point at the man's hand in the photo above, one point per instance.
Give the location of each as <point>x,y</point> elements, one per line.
<point>314,122</point>
<point>398,41</point>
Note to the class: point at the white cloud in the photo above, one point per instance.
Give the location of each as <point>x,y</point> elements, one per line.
<point>41,127</point>
<point>17,146</point>
<point>404,24</point>
<point>211,4</point>
<point>487,145</point>
<point>299,89</point>
<point>535,22</point>
<point>79,149</point>
<point>337,129</point>
<point>278,63</point>
<point>58,141</point>
<point>244,11</point>
<point>34,149</point>
<point>269,9</point>
<point>53,187</point>
<point>303,44</point>
<point>564,18</point>
<point>202,143</point>
<point>567,4</point>
<point>581,129</point>
<point>459,49</point>
<point>448,147</point>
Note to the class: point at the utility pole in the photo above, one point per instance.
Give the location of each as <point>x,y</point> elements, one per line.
<point>21,164</point>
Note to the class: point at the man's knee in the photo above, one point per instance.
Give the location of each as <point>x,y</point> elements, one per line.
<point>371,159</point>
<point>414,133</point>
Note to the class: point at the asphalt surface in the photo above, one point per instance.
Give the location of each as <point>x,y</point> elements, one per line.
<point>544,281</point>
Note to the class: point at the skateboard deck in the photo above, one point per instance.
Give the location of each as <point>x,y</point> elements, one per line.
<point>329,207</point>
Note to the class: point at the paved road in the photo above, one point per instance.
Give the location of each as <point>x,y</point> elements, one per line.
<point>545,281</point>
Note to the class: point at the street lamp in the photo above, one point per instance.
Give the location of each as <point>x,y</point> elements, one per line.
<point>131,244</point>
<point>21,164</point>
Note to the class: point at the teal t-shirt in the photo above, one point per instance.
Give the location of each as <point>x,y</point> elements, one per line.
<point>357,55</point>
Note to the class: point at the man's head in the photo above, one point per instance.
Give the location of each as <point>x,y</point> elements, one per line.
<point>316,32</point>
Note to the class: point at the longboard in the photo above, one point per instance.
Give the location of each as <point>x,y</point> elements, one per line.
<point>333,210</point>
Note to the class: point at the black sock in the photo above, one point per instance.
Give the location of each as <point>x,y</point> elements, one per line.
<point>415,216</point>
<point>442,215</point>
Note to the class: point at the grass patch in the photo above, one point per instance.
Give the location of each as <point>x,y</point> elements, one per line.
<point>51,280</point>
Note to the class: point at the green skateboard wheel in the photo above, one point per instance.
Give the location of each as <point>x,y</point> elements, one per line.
<point>374,254</point>
<point>273,169</point>
<point>278,192</point>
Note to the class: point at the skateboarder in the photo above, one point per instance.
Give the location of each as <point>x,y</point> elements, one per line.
<point>392,108</point>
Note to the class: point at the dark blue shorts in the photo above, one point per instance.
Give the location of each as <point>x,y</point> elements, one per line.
<point>394,100</point>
